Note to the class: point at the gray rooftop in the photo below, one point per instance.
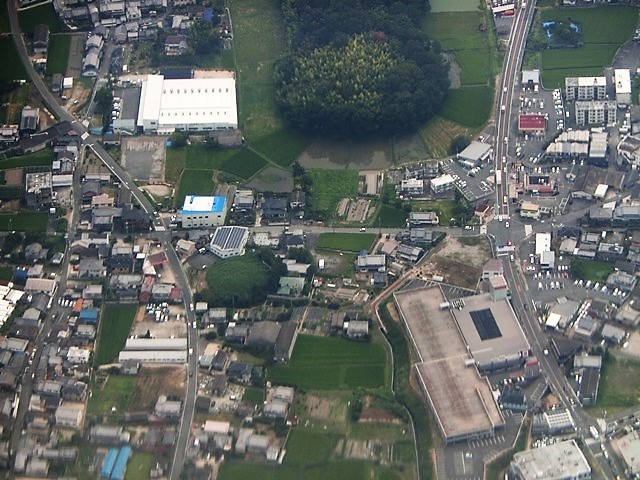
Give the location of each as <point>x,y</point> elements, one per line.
<point>558,461</point>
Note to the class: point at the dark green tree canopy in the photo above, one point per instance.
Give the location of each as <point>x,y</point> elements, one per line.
<point>359,69</point>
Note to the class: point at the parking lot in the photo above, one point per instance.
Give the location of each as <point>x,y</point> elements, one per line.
<point>473,186</point>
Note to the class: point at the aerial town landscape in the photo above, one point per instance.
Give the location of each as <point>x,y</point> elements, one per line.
<point>308,239</point>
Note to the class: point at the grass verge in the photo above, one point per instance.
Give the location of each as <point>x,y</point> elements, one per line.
<point>116,392</point>
<point>594,270</point>
<point>24,222</point>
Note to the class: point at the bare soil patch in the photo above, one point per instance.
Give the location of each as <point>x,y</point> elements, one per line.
<point>155,381</point>
<point>318,407</point>
<point>13,177</point>
<point>459,261</point>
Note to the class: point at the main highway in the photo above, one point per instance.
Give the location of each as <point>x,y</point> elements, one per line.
<point>510,71</point>
<point>164,236</point>
<point>520,298</point>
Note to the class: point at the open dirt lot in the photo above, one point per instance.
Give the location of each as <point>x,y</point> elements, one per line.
<point>459,261</point>
<point>358,211</point>
<point>79,92</point>
<point>155,381</point>
<point>13,177</point>
<point>318,407</point>
<point>144,157</point>
<point>158,190</point>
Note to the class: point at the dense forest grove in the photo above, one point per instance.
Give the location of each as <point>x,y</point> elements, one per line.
<point>359,67</point>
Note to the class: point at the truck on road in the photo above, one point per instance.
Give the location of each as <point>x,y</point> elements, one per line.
<point>498,177</point>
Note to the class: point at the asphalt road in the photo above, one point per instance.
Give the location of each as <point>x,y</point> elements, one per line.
<point>510,80</point>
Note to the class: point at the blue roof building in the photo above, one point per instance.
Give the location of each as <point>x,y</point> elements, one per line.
<point>121,463</point>
<point>108,462</point>
<point>203,212</point>
<point>89,315</point>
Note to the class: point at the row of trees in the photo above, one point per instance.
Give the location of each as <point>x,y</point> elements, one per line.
<point>359,68</point>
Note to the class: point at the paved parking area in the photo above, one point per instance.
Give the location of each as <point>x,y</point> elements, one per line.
<point>472,187</point>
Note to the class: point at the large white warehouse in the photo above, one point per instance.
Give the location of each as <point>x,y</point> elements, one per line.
<point>192,104</point>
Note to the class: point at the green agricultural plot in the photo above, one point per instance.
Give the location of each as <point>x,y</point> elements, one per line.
<point>24,222</point>
<point>139,466</point>
<point>253,395</point>
<point>338,469</point>
<point>446,209</point>
<point>305,447</point>
<point>116,393</point>
<point>194,182</point>
<point>469,106</point>
<point>58,55</point>
<point>259,40</point>
<point>328,363</point>
<point>391,217</point>
<point>41,158</point>
<point>594,270</point>
<point>619,383</point>
<point>282,147</point>
<point>438,6</point>
<point>603,30</point>
<point>115,325</point>
<point>345,242</point>
<point>5,27</point>
<point>329,186</point>
<point>43,13</point>
<point>243,164</point>
<point>13,69</point>
<point>459,33</point>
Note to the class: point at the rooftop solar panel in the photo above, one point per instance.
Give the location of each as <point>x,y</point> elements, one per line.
<point>485,324</point>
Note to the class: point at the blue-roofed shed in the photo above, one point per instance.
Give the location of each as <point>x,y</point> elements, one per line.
<point>207,15</point>
<point>89,315</point>
<point>20,275</point>
<point>121,463</point>
<point>108,462</point>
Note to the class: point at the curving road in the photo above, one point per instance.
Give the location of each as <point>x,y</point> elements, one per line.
<point>162,231</point>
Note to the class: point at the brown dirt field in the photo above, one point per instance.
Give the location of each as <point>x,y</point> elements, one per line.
<point>76,51</point>
<point>369,415</point>
<point>155,381</point>
<point>158,190</point>
<point>13,177</point>
<point>460,264</point>
<point>80,93</point>
<point>318,407</point>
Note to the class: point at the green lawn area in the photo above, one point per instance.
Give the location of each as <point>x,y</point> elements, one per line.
<point>24,222</point>
<point>603,29</point>
<point>117,392</point>
<point>194,182</point>
<point>594,270</point>
<point>139,466</point>
<point>391,217</point>
<point>330,363</point>
<point>347,242</point>
<point>329,186</point>
<point>43,13</point>
<point>305,447</point>
<point>6,273</point>
<point>13,69</point>
<point>446,209</point>
<point>115,324</point>
<point>619,383</point>
<point>41,158</point>
<point>468,106</point>
<point>58,55</point>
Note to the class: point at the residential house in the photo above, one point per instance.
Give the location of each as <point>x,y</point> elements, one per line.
<point>92,268</point>
<point>175,45</point>
<point>274,209</point>
<point>40,38</point>
<point>69,417</point>
<point>29,120</point>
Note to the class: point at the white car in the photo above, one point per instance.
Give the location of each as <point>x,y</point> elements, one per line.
<point>506,224</point>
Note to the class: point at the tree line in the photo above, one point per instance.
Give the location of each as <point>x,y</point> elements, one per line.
<point>359,68</point>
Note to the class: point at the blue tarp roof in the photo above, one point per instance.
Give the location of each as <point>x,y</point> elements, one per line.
<point>108,462</point>
<point>121,463</point>
<point>89,315</point>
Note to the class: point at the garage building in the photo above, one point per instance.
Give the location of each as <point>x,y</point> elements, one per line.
<point>532,123</point>
<point>188,104</point>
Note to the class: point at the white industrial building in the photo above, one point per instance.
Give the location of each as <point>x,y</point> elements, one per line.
<point>203,212</point>
<point>622,83</point>
<point>229,241</point>
<point>559,461</point>
<point>153,356</point>
<point>192,104</point>
<point>585,88</point>
<point>442,183</point>
<point>155,344</point>
<point>595,112</point>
